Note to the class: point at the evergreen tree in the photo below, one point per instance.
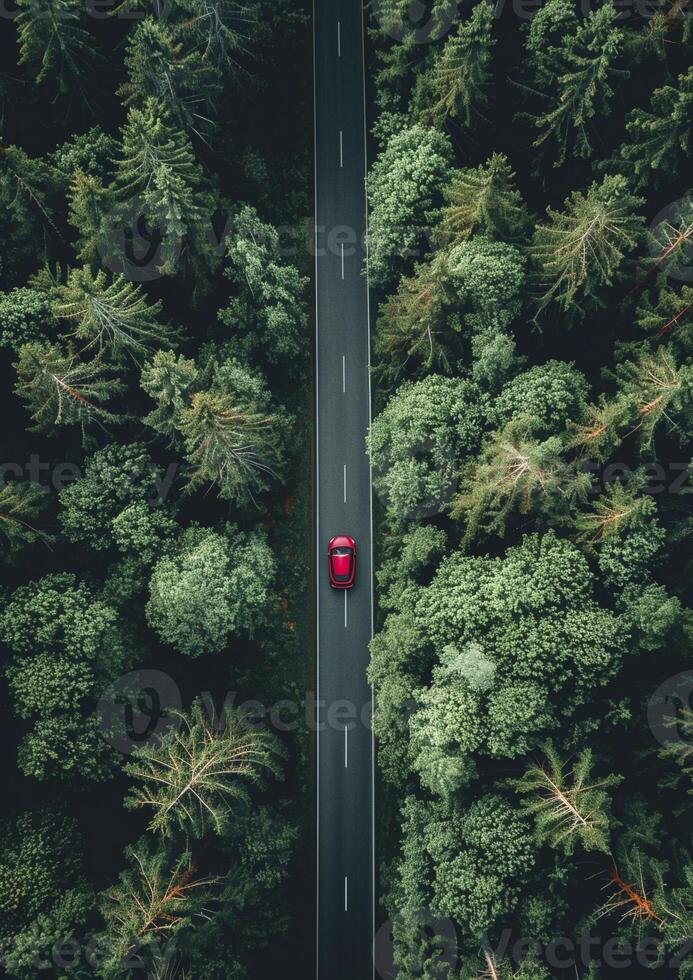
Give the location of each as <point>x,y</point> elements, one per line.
<point>53,43</point>
<point>584,76</point>
<point>181,81</point>
<point>113,316</point>
<point>192,777</point>
<point>61,390</point>
<point>581,249</point>
<point>155,899</point>
<point>484,201</point>
<point>268,311</point>
<point>567,806</point>
<point>169,380</point>
<point>156,164</point>
<point>660,139</point>
<point>461,74</point>
<point>233,447</point>
<point>90,207</point>
<point>20,505</point>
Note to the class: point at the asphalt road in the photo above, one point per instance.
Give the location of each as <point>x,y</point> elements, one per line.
<point>343,506</point>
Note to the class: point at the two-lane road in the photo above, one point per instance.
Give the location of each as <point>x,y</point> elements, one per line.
<point>343,506</point>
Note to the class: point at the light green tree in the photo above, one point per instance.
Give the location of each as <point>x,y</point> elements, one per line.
<point>567,806</point>
<point>210,587</point>
<point>60,389</point>
<point>405,192</point>
<point>580,250</point>
<point>192,778</point>
<point>26,316</point>
<point>484,201</point>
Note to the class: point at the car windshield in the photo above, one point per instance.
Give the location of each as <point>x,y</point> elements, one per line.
<point>341,552</point>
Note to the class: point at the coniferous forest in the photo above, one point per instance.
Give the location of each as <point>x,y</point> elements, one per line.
<point>531,220</point>
<point>531,271</point>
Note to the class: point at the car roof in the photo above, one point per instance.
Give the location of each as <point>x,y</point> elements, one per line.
<point>341,541</point>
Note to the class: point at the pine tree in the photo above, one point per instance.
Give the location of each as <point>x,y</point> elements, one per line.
<point>658,389</point>
<point>461,73</point>
<point>169,380</point>
<point>484,201</point>
<point>233,447</point>
<point>221,31</point>
<point>61,390</point>
<point>182,82</point>
<point>567,807</point>
<point>157,166</point>
<point>660,139</point>
<point>20,505</point>
<point>53,43</point>
<point>411,332</point>
<point>581,249</point>
<point>516,472</point>
<point>112,316</point>
<point>191,778</point>
<point>668,315</point>
<point>585,74</point>
<point>90,205</point>
<point>155,898</point>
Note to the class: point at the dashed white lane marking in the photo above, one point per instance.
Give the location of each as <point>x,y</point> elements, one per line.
<point>346,747</point>
<point>346,894</point>
<point>343,374</point>
<point>345,483</point>
<point>341,148</point>
<point>339,39</point>
<point>346,593</point>
<point>342,260</point>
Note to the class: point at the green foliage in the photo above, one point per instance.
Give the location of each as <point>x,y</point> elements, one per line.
<point>156,166</point>
<point>484,201</point>
<point>580,75</point>
<point>60,389</point>
<point>168,379</point>
<point>567,806</point>
<point>417,442</point>
<point>488,278</point>
<point>461,74</point>
<point>26,315</point>
<point>550,395</point>
<point>480,883</point>
<point>43,893</point>
<point>580,251</point>
<point>114,478</point>
<point>20,506</point>
<point>110,316</point>
<point>503,678</point>
<point>211,587</point>
<point>405,193</point>
<point>154,900</point>
<point>194,777</point>
<point>268,311</point>
<point>66,645</point>
<point>54,45</point>
<point>660,138</point>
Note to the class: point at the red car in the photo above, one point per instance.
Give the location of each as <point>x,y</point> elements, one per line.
<point>341,561</point>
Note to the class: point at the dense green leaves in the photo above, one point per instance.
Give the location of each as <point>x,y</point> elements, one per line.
<point>211,587</point>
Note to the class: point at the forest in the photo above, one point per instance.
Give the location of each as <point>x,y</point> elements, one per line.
<point>531,221</point>
<point>155,492</point>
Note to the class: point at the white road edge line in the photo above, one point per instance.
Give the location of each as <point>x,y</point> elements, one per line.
<point>346,894</point>
<point>370,475</point>
<point>345,483</point>
<point>342,260</point>
<point>346,747</point>
<point>317,523</point>
<point>343,374</point>
<point>341,148</point>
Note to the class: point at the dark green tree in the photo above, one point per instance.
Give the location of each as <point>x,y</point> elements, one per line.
<point>54,43</point>
<point>660,138</point>
<point>484,201</point>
